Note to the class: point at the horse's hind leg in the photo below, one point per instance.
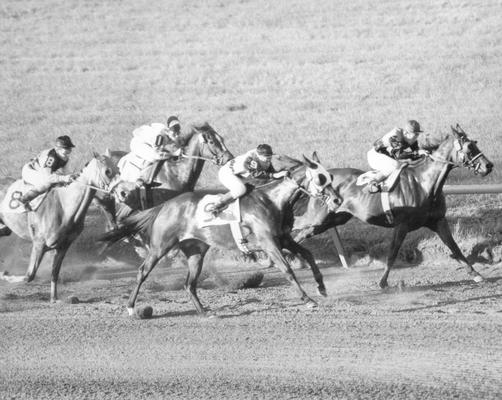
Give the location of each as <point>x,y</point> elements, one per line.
<point>443,230</point>
<point>194,252</point>
<point>56,267</point>
<point>400,232</point>
<point>296,248</point>
<point>277,257</point>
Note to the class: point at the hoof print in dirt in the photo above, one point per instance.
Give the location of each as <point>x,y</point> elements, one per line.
<point>246,281</point>
<point>144,312</point>
<point>72,300</point>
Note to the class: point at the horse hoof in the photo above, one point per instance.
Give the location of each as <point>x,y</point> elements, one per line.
<point>310,303</point>
<point>383,284</point>
<point>322,292</point>
<point>478,279</point>
<point>130,311</point>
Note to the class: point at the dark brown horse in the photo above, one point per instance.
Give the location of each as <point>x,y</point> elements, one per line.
<point>59,219</point>
<point>417,200</point>
<point>201,144</point>
<point>263,214</point>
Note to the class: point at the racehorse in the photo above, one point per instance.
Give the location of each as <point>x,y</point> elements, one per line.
<point>417,200</point>
<point>263,210</point>
<point>59,219</point>
<point>202,144</point>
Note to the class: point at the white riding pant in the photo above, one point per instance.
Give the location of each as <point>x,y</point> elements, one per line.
<point>382,163</point>
<point>133,168</point>
<point>231,181</point>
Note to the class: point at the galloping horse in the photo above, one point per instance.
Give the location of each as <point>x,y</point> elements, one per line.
<point>203,143</point>
<point>417,200</point>
<point>263,211</point>
<point>59,219</point>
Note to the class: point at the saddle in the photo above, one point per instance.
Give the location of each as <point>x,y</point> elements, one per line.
<point>11,202</point>
<point>383,184</point>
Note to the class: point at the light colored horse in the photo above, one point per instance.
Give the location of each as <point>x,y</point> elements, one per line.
<point>264,211</point>
<point>59,219</point>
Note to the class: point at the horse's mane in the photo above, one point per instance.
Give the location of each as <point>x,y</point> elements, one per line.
<point>432,142</point>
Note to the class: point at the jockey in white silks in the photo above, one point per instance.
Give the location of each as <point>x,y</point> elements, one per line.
<point>256,163</point>
<point>48,168</point>
<point>150,145</point>
<point>390,151</point>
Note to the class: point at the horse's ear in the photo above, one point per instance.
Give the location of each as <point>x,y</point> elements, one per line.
<point>454,131</point>
<point>315,157</point>
<point>95,154</point>
<point>108,152</point>
<point>309,163</point>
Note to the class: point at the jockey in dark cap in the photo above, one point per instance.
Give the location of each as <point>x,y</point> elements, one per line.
<point>48,168</point>
<point>394,148</point>
<point>256,163</point>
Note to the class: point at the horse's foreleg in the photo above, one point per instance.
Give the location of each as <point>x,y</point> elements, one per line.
<point>143,271</point>
<point>443,230</point>
<point>400,232</point>
<point>296,248</point>
<point>56,267</point>
<point>195,253</point>
<point>38,250</point>
<point>276,256</point>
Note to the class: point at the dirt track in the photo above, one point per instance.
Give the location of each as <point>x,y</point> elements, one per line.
<point>439,336</point>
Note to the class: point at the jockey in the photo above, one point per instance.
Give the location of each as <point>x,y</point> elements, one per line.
<point>150,146</point>
<point>392,150</point>
<point>256,163</point>
<point>47,169</point>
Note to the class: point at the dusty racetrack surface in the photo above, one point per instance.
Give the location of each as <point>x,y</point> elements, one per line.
<point>433,334</point>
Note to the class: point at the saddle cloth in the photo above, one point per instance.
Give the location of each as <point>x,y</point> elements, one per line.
<point>387,183</point>
<point>229,216</point>
<point>11,202</point>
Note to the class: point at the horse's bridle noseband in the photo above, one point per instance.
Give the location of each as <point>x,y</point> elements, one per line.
<point>461,158</point>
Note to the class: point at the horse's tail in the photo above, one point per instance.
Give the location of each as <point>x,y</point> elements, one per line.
<point>140,222</point>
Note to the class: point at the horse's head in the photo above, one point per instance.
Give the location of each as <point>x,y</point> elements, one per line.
<point>212,146</point>
<point>467,154</point>
<point>100,171</point>
<point>317,182</point>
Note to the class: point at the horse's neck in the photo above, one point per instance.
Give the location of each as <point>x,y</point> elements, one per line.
<point>281,193</point>
<point>436,170</point>
<point>75,200</point>
<point>184,174</point>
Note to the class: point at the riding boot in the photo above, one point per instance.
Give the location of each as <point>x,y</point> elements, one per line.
<point>222,203</point>
<point>29,196</point>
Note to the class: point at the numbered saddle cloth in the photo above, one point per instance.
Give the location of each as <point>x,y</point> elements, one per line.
<point>11,202</point>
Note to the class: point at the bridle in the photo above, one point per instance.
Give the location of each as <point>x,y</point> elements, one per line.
<point>215,159</point>
<point>462,158</point>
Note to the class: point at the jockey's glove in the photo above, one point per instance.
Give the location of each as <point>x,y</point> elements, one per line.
<point>423,152</point>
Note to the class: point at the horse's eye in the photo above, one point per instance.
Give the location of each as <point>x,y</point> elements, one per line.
<point>108,173</point>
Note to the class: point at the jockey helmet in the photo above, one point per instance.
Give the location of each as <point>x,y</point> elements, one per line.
<point>412,126</point>
<point>264,150</point>
<point>173,124</point>
<point>64,142</point>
